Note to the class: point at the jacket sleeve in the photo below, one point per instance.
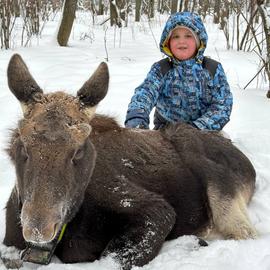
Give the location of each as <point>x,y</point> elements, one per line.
<point>219,111</point>
<point>145,96</point>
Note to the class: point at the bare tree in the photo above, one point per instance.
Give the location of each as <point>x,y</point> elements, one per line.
<point>151,8</point>
<point>203,7</point>
<point>8,14</point>
<point>164,6</point>
<point>100,7</point>
<point>223,22</point>
<point>217,12</point>
<point>115,18</point>
<point>186,3</point>
<point>174,4</point>
<point>264,11</point>
<point>68,17</point>
<point>138,10</point>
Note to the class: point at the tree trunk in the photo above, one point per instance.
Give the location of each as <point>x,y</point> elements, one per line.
<point>68,17</point>
<point>174,6</point>
<point>186,2</point>
<point>115,14</point>
<point>159,6</point>
<point>151,9</point>
<point>217,11</point>
<point>100,7</point>
<point>16,8</point>
<point>5,23</point>
<point>181,5</point>
<point>266,26</point>
<point>204,7</point>
<point>138,10</point>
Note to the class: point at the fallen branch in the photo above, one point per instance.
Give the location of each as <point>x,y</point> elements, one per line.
<point>105,21</point>
<point>254,77</point>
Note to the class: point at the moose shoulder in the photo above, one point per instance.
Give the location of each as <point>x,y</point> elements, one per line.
<point>122,192</point>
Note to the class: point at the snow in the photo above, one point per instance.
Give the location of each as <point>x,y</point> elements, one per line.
<point>131,52</point>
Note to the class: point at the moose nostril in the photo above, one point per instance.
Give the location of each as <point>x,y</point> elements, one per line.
<point>32,234</point>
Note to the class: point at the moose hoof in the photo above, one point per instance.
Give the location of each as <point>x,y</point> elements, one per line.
<point>202,242</point>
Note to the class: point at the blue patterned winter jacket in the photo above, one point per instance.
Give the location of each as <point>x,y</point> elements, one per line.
<point>187,92</point>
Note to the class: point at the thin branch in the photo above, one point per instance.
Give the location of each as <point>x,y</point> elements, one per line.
<point>254,77</point>
<point>152,33</point>
<point>105,21</point>
<point>105,44</point>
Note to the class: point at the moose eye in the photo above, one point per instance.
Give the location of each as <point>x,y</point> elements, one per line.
<point>79,153</point>
<point>23,152</point>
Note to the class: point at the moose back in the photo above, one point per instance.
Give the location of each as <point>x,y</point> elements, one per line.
<point>122,192</point>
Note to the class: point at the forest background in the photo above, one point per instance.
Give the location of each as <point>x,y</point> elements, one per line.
<point>245,23</point>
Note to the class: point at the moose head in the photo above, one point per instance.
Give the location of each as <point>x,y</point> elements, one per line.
<point>51,149</point>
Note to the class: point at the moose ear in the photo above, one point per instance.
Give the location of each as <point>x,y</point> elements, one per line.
<point>95,89</point>
<point>20,81</point>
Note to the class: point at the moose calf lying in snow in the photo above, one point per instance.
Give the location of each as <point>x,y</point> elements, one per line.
<point>122,192</point>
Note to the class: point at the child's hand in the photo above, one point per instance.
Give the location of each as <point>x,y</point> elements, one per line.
<point>136,123</point>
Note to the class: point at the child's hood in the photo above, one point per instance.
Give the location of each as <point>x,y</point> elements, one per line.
<point>190,20</point>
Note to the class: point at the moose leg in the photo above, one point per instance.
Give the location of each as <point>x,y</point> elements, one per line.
<point>78,250</point>
<point>13,236</point>
<point>85,237</point>
<point>143,237</point>
<point>230,214</point>
<point>148,221</point>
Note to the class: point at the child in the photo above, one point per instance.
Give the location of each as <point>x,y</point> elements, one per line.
<point>187,92</point>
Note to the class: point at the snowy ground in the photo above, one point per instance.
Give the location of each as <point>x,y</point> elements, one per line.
<point>130,58</point>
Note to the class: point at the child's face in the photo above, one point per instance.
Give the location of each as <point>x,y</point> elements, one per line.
<point>182,44</point>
